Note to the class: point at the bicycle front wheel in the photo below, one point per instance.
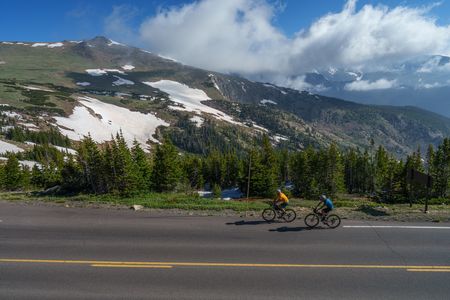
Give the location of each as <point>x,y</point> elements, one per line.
<point>311,220</point>
<point>289,215</point>
<point>268,214</point>
<point>333,221</point>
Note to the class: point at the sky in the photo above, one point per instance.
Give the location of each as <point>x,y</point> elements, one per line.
<point>56,20</point>
<point>260,39</point>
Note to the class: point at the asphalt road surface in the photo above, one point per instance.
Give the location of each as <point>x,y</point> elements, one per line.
<point>78,253</point>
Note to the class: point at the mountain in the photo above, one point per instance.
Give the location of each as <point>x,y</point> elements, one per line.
<point>100,87</point>
<point>423,82</point>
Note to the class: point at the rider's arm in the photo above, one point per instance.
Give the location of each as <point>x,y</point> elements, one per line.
<point>320,205</point>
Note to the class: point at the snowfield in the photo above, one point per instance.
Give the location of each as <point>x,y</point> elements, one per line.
<point>108,121</point>
<point>7,147</point>
<point>100,72</point>
<point>128,67</point>
<point>83,83</point>
<point>121,81</point>
<point>35,88</point>
<point>111,42</point>
<point>55,45</point>
<point>66,150</point>
<point>279,138</point>
<point>213,79</point>
<point>266,101</point>
<point>190,99</point>
<point>39,44</point>
<point>11,114</point>
<point>30,163</point>
<point>52,45</point>
<point>197,120</point>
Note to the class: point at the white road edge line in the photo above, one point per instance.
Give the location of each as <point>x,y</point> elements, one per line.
<point>396,226</point>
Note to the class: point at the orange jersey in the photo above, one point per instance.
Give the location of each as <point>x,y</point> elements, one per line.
<point>283,197</point>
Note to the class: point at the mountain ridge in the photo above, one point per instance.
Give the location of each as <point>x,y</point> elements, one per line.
<point>116,74</point>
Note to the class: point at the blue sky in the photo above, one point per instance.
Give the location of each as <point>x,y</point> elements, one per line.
<point>55,20</point>
<point>266,40</point>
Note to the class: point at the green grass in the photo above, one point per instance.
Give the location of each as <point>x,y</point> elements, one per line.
<point>357,208</point>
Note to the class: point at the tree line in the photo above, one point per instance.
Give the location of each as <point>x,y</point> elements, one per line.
<point>117,168</point>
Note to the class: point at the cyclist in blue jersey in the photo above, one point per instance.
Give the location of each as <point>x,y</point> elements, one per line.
<point>325,206</point>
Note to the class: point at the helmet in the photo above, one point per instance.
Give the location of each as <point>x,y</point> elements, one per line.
<point>278,191</point>
<point>323,197</point>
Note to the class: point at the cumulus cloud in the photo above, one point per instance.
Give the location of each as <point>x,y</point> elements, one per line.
<point>365,85</point>
<point>239,36</point>
<point>227,36</point>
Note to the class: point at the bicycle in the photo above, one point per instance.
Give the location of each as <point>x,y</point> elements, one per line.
<point>269,214</point>
<point>313,219</point>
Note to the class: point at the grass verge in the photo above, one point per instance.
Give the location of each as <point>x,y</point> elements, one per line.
<point>359,209</point>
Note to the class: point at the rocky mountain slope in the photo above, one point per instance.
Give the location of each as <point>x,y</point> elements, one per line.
<point>100,87</point>
<point>423,82</point>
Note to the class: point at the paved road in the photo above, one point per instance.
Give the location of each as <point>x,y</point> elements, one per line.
<point>73,253</point>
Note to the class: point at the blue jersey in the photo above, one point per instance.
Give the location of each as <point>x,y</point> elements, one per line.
<point>329,204</point>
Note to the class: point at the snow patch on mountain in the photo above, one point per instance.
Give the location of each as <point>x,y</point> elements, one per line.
<point>7,147</point>
<point>190,99</point>
<point>55,45</point>
<point>358,77</point>
<point>121,81</point>
<point>107,120</point>
<point>39,45</point>
<point>256,126</point>
<point>213,79</point>
<point>128,67</point>
<point>66,150</point>
<point>197,120</point>
<point>166,57</point>
<point>35,88</point>
<point>111,42</point>
<point>267,101</point>
<point>11,114</point>
<point>84,83</point>
<point>279,138</point>
<point>274,87</point>
<point>100,72</point>
<point>29,163</point>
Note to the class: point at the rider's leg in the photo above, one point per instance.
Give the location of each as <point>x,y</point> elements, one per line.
<point>325,212</point>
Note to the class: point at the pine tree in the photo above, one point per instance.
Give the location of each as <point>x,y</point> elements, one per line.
<point>90,159</point>
<point>142,167</point>
<point>166,167</point>
<point>72,176</point>
<point>13,174</point>
<point>270,169</point>
<point>334,181</point>
<point>127,173</point>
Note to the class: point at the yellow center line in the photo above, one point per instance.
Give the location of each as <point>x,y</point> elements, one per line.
<point>216,264</point>
<point>130,266</point>
<point>428,270</point>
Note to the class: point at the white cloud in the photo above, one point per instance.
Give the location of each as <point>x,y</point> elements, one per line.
<point>240,36</point>
<point>365,85</point>
<point>229,36</point>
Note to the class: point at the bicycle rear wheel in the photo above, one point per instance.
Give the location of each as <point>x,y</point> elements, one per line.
<point>333,221</point>
<point>289,215</point>
<point>268,214</point>
<point>311,220</point>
